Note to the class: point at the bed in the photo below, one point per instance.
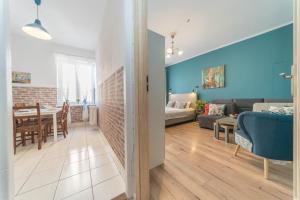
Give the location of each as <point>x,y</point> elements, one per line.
<point>175,115</point>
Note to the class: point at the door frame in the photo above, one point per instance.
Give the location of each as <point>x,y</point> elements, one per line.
<point>142,141</point>
<point>6,147</point>
<point>141,97</point>
<point>296,92</point>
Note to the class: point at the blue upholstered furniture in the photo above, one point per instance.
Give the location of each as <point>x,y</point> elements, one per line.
<point>267,135</point>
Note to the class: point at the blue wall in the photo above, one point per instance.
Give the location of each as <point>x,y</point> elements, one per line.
<point>251,68</point>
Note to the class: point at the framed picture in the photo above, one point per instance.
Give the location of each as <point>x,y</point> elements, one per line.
<point>213,77</point>
<point>21,77</point>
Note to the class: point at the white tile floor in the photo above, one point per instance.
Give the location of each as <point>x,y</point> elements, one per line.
<point>76,168</point>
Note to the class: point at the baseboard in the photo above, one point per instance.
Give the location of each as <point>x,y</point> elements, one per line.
<point>77,124</point>
<point>121,197</point>
<point>114,156</point>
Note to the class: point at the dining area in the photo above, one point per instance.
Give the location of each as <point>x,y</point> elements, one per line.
<point>36,124</point>
<point>58,151</point>
<point>57,159</point>
<point>52,143</point>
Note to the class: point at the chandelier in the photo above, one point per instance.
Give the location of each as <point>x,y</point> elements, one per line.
<point>173,50</point>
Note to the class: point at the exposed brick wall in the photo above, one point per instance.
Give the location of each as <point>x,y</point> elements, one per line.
<point>76,113</point>
<point>31,95</point>
<point>111,113</point>
<point>45,96</point>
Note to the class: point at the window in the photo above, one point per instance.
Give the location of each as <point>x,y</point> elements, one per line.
<point>75,79</point>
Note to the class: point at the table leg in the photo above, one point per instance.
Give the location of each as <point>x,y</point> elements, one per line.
<point>54,127</point>
<point>217,131</point>
<point>234,130</point>
<point>226,134</point>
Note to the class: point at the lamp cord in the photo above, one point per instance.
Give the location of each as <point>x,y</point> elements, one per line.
<point>37,11</point>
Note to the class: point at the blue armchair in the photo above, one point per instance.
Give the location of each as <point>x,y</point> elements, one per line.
<point>267,135</point>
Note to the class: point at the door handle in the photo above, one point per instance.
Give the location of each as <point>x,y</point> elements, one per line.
<point>286,76</point>
<point>289,77</point>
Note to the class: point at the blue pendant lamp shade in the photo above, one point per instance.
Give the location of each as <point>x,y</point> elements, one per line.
<point>36,28</point>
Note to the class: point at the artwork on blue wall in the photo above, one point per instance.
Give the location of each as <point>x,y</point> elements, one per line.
<point>213,77</point>
<point>252,68</point>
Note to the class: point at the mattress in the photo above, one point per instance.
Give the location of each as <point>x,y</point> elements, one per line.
<point>175,113</point>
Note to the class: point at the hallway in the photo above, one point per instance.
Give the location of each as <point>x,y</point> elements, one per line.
<point>78,167</point>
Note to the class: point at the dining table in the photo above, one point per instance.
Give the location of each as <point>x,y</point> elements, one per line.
<point>44,112</point>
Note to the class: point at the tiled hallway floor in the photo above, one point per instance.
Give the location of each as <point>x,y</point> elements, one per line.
<point>79,167</point>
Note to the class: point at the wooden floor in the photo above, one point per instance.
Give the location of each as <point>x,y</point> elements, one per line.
<point>200,167</point>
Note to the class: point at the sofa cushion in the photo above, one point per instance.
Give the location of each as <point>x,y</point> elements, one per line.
<point>216,109</point>
<point>222,101</point>
<point>206,109</point>
<point>179,105</point>
<point>259,107</point>
<point>170,104</point>
<point>282,110</point>
<point>278,100</point>
<point>208,121</point>
<point>230,107</point>
<point>246,104</point>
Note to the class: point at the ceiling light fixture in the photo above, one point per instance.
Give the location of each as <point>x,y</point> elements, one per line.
<point>36,29</point>
<point>172,50</point>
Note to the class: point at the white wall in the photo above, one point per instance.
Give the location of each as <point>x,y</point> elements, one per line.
<point>37,57</point>
<point>157,91</point>
<point>115,50</point>
<point>6,157</point>
<point>111,51</point>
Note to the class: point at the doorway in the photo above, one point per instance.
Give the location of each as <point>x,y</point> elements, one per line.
<point>190,88</point>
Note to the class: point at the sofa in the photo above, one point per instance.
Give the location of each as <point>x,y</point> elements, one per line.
<point>234,106</point>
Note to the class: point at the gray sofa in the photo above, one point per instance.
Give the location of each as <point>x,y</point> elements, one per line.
<point>233,106</point>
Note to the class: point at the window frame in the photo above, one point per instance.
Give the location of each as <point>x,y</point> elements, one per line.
<point>77,62</point>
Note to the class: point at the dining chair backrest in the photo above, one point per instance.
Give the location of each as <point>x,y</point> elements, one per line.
<point>66,111</point>
<point>20,104</point>
<point>65,118</point>
<point>63,110</point>
<point>36,116</point>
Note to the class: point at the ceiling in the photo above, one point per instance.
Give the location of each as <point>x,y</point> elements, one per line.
<point>70,22</point>
<point>214,23</point>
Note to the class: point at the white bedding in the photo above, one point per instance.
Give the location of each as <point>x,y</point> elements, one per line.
<point>174,113</point>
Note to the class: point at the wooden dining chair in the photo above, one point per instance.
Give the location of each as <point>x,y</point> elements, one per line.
<point>28,126</point>
<point>65,118</point>
<point>20,104</point>
<point>60,123</point>
<point>22,135</point>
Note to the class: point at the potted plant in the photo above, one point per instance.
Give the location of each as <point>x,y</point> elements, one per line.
<point>200,105</point>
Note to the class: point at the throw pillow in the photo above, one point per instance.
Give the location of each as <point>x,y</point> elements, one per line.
<point>216,109</point>
<point>170,104</point>
<point>179,105</point>
<point>206,109</point>
<point>282,110</point>
<point>188,104</point>
<point>289,110</point>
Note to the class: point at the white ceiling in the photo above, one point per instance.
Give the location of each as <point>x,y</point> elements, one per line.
<point>214,23</point>
<point>70,22</point>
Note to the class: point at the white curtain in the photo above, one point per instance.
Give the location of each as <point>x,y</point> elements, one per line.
<point>75,79</point>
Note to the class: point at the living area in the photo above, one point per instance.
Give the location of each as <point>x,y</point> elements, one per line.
<point>229,104</point>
